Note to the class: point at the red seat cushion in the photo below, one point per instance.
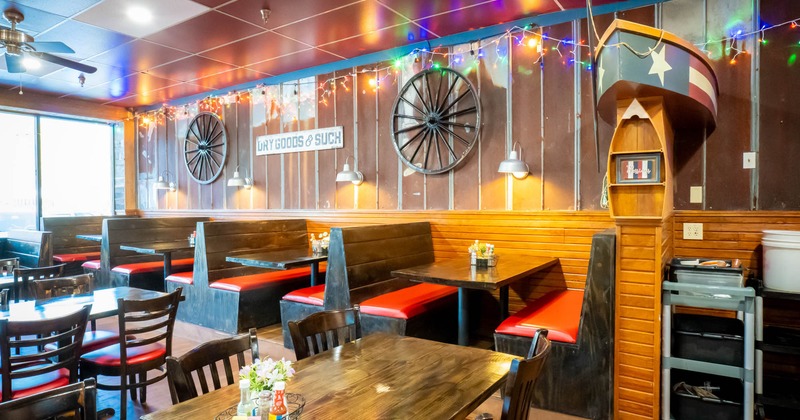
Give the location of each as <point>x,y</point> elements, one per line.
<point>65,258</point>
<point>186,277</point>
<point>558,311</point>
<point>92,265</point>
<point>152,266</point>
<point>93,340</point>
<point>408,302</point>
<point>314,295</point>
<point>23,387</point>
<point>109,356</point>
<point>256,281</point>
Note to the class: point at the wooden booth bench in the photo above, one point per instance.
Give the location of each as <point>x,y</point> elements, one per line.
<point>117,267</point>
<point>231,297</point>
<point>578,376</point>
<point>67,248</point>
<point>33,248</point>
<point>360,262</point>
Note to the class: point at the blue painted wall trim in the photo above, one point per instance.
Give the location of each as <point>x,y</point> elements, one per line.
<point>391,54</point>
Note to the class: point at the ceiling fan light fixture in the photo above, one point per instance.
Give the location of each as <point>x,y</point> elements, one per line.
<point>139,14</point>
<point>31,63</point>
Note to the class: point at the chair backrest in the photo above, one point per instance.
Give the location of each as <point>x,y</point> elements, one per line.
<point>522,378</point>
<point>180,369</point>
<point>42,289</point>
<point>24,276</point>
<point>80,398</point>
<point>324,330</point>
<point>28,339</point>
<point>150,321</point>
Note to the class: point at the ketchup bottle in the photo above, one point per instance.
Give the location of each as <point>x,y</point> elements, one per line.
<point>278,409</point>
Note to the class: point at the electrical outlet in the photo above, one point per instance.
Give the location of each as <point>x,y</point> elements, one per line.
<point>749,160</point>
<point>696,194</point>
<point>693,231</point>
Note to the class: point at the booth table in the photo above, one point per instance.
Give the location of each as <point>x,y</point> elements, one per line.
<point>283,259</point>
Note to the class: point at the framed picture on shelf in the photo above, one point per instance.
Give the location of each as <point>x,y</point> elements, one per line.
<point>643,168</point>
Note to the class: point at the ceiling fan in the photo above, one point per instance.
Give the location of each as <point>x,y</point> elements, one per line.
<point>19,44</point>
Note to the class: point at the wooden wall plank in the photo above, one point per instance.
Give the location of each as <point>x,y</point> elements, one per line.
<point>258,127</point>
<point>493,89</point>
<point>326,114</point>
<point>274,184</point>
<point>345,191</point>
<point>386,178</point>
<point>290,123</point>
<point>366,117</point>
<point>466,185</point>
<point>437,187</point>
<point>307,108</point>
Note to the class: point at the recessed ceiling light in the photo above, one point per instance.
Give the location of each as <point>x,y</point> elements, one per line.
<point>139,14</point>
<point>31,63</point>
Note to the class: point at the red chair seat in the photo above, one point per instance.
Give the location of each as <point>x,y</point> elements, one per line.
<point>93,340</point>
<point>66,258</point>
<point>558,311</point>
<point>186,277</point>
<point>109,356</point>
<point>257,281</point>
<point>23,387</point>
<point>152,266</point>
<point>92,265</point>
<point>314,295</point>
<point>408,302</point>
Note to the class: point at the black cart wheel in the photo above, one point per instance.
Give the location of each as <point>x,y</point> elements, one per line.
<point>205,147</point>
<point>436,120</point>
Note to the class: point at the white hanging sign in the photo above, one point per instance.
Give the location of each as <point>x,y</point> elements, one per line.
<point>300,141</point>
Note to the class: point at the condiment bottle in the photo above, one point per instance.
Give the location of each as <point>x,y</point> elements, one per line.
<point>245,407</point>
<point>278,409</point>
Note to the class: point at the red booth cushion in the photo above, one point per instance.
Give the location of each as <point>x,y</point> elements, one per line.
<point>408,302</point>
<point>558,311</point>
<point>65,258</point>
<point>256,281</point>
<point>92,265</point>
<point>109,356</point>
<point>152,266</point>
<point>314,295</point>
<point>23,387</point>
<point>186,277</point>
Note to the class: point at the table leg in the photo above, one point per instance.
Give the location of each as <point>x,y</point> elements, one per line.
<point>463,317</point>
<point>503,303</point>
<point>314,273</point>
<point>167,264</point>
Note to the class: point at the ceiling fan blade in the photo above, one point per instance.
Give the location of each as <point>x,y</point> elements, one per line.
<point>64,62</point>
<point>14,64</point>
<point>51,47</point>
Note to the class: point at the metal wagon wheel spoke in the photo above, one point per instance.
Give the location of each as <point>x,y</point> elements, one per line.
<point>435,121</point>
<point>205,148</point>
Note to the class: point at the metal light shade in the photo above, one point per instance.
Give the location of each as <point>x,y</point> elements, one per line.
<point>347,175</point>
<point>237,181</point>
<point>161,184</point>
<point>513,165</point>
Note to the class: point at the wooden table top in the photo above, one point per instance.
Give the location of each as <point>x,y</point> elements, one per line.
<point>157,248</point>
<point>283,259</point>
<point>459,272</point>
<point>93,238</point>
<point>379,376</point>
<point>104,304</point>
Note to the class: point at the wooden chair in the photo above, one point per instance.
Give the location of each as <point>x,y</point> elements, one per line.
<point>80,398</point>
<point>23,277</point>
<point>43,289</point>
<point>324,330</point>
<point>518,391</point>
<point>152,322</point>
<point>32,372</point>
<point>179,369</point>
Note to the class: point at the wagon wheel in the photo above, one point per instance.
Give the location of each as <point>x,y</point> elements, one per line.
<point>205,147</point>
<point>436,120</point>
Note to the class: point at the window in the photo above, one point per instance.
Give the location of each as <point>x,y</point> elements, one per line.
<point>17,172</point>
<point>77,177</point>
<point>75,164</point>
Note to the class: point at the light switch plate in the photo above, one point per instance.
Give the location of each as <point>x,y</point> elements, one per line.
<point>693,231</point>
<point>696,194</point>
<point>749,160</point>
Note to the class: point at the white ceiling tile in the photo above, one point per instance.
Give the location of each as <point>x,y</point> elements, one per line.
<point>112,14</point>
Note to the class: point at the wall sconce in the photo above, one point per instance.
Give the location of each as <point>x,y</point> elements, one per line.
<point>163,184</point>
<point>238,181</point>
<point>514,165</point>
<point>356,177</point>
